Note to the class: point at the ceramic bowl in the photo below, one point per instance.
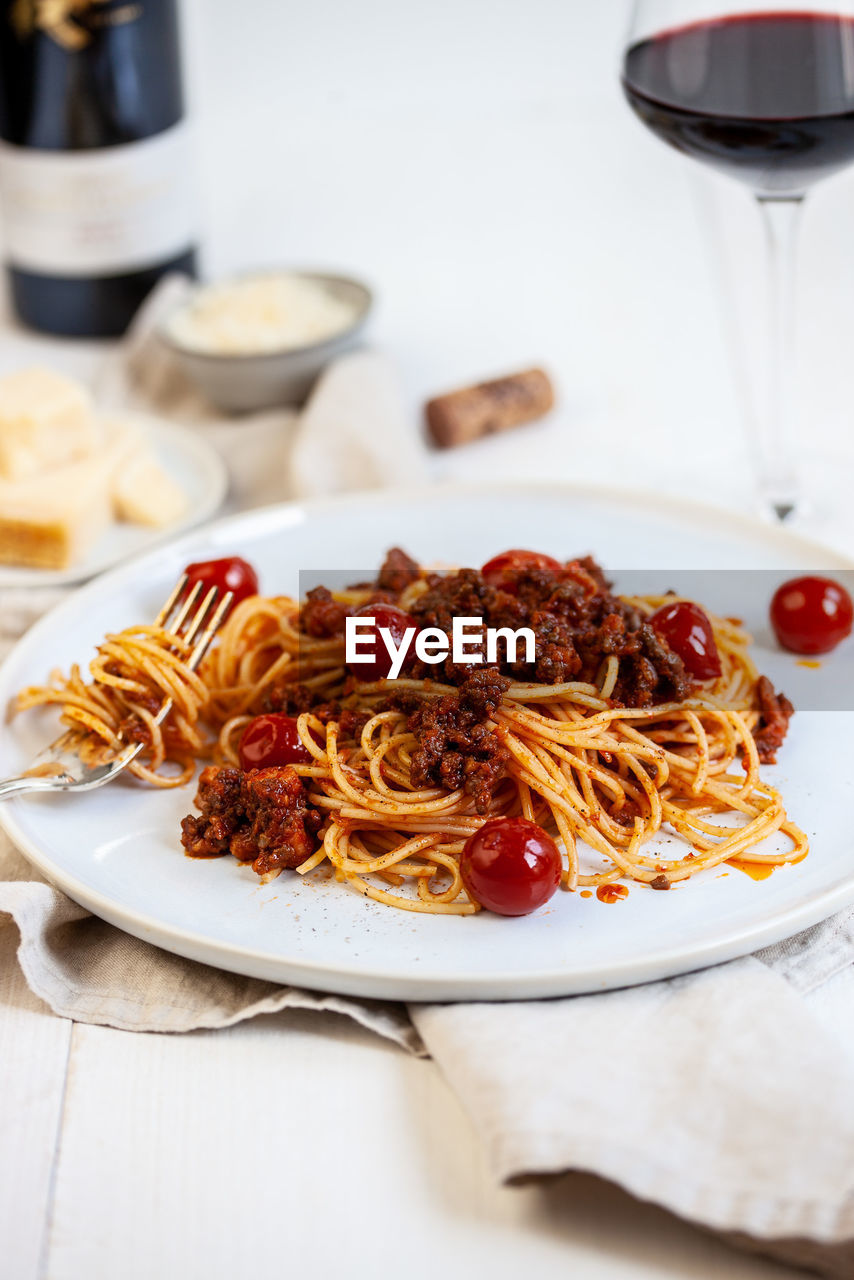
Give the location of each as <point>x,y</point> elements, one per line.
<point>244,382</point>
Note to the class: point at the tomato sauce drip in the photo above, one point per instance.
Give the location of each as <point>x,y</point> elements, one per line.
<point>756,870</point>
<point>611,892</point>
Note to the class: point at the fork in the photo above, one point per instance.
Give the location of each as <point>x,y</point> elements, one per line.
<point>60,768</point>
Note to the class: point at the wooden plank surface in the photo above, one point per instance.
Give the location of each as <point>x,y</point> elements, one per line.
<point>34,1051</point>
<point>287,1146</point>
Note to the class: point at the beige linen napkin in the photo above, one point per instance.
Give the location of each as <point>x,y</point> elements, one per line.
<point>719,1095</point>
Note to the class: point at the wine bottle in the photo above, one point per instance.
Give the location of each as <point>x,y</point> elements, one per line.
<point>95,179</point>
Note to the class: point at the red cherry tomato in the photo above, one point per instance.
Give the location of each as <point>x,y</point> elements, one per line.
<point>689,634</point>
<point>272,740</point>
<point>502,569</point>
<point>397,621</point>
<point>511,866</point>
<point>231,574</point>
<point>811,615</point>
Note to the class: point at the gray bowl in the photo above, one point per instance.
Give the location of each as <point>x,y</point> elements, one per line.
<point>242,383</point>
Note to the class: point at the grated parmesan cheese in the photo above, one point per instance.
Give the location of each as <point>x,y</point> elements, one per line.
<point>260,314</point>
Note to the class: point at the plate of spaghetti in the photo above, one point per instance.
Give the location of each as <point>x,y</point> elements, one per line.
<point>417,765</point>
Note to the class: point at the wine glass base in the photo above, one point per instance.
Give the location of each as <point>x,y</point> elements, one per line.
<point>825,511</point>
<point>783,501</point>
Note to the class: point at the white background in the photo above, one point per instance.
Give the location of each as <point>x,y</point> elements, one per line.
<point>476,162</point>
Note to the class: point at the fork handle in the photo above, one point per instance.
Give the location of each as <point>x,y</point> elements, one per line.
<point>18,786</point>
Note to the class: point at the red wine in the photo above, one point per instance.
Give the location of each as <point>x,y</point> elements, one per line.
<point>94,177</point>
<point>766,97</point>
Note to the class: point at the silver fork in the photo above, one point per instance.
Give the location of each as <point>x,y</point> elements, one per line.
<point>60,768</point>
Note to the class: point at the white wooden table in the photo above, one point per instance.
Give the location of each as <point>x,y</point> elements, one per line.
<point>473,159</point>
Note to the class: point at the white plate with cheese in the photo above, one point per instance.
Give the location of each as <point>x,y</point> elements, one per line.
<point>81,491</point>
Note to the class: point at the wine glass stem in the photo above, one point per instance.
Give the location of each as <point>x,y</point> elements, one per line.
<point>775,442</point>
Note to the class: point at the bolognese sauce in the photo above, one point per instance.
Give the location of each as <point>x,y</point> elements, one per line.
<point>261,816</point>
<point>624,717</point>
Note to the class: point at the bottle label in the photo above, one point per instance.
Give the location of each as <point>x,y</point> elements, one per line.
<point>101,212</point>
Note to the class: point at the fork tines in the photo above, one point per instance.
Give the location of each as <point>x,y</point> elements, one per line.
<point>192,616</point>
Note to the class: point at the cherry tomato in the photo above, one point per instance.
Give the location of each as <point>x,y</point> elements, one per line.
<point>397,621</point>
<point>502,569</point>
<point>811,615</point>
<point>689,634</point>
<point>511,866</point>
<point>231,574</point>
<point>272,740</point>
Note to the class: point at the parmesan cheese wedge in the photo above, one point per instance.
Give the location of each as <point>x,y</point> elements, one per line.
<point>49,521</point>
<point>46,421</point>
<point>145,494</point>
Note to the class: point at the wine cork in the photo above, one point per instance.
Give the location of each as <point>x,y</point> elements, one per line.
<point>465,415</point>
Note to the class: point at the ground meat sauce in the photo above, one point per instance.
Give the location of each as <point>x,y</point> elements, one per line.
<point>294,699</point>
<point>398,571</point>
<point>260,816</point>
<point>775,712</point>
<point>264,816</point>
<point>576,621</point>
<point>456,745</point>
<point>321,616</point>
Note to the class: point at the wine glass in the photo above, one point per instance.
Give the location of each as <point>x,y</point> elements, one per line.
<point>764,92</point>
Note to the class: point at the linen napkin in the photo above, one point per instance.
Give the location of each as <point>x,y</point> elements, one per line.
<point>724,1096</point>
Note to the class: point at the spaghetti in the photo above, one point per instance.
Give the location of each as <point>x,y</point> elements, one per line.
<point>392,778</point>
<point>134,672</point>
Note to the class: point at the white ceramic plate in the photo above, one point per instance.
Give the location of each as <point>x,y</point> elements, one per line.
<point>190,461</point>
<point>117,850</point>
